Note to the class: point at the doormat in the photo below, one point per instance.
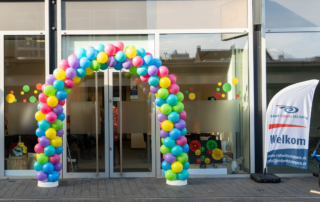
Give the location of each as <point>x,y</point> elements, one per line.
<point>132,170</point>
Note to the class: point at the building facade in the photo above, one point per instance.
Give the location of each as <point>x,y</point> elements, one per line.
<point>229,57</point>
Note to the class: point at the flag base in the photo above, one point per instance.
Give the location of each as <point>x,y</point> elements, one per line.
<point>46,184</point>
<point>177,182</point>
<point>267,178</point>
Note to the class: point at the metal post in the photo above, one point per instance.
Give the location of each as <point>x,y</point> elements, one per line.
<point>120,113</point>
<point>97,125</point>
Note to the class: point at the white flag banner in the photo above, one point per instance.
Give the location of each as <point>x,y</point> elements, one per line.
<point>288,125</point>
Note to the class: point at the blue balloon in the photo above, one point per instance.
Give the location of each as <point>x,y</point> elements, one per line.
<point>165,165</point>
<point>99,47</point>
<point>104,66</point>
<point>176,150</point>
<point>169,142</point>
<point>186,165</point>
<point>39,106</point>
<point>173,117</point>
<point>44,124</point>
<point>120,56</point>
<point>53,177</point>
<point>164,172</point>
<point>157,62</point>
<point>175,133</point>
<point>38,124</point>
<point>58,84</point>
<point>183,175</point>
<point>40,132</point>
<point>84,62</point>
<point>172,100</point>
<point>80,53</point>
<point>49,150</point>
<point>61,116</point>
<point>61,94</point>
<point>159,102</point>
<point>37,166</point>
<point>59,150</point>
<point>185,148</point>
<point>153,80</point>
<point>148,60</point>
<point>118,66</point>
<point>81,72</point>
<point>141,52</point>
<point>48,167</point>
<point>142,70</point>
<point>91,53</point>
<point>183,132</point>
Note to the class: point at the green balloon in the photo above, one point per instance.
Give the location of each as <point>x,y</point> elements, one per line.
<point>95,65</point>
<point>42,158</point>
<point>57,125</point>
<point>26,88</point>
<point>127,75</point>
<point>164,149</point>
<point>226,87</point>
<point>162,139</point>
<point>180,96</point>
<point>49,90</point>
<point>32,99</point>
<point>183,158</point>
<point>163,93</point>
<point>170,175</point>
<point>68,90</point>
<point>133,70</point>
<point>178,107</point>
<point>166,109</point>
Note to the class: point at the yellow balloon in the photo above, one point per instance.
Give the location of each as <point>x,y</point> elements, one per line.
<point>36,156</point>
<point>51,133</point>
<point>235,81</point>
<point>22,93</point>
<point>40,116</point>
<point>164,82</point>
<point>159,109</point>
<point>52,101</point>
<point>131,52</point>
<point>10,98</point>
<point>167,125</point>
<point>89,71</point>
<point>35,91</point>
<point>56,142</point>
<point>177,167</point>
<point>223,95</point>
<point>192,96</point>
<point>219,84</point>
<point>76,79</point>
<point>59,74</point>
<point>102,57</point>
<point>156,94</point>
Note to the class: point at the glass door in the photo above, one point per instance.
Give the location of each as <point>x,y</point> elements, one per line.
<point>132,140</point>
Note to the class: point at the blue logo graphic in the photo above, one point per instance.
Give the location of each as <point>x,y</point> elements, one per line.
<point>288,109</point>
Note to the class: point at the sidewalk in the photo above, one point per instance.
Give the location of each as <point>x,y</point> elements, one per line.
<point>152,189</point>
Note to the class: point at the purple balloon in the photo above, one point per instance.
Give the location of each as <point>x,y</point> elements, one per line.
<point>164,134</point>
<point>162,117</point>
<point>60,132</point>
<point>170,158</point>
<point>154,89</point>
<point>73,62</point>
<point>89,47</point>
<point>127,64</point>
<point>58,166</point>
<point>50,79</point>
<point>41,175</point>
<point>181,124</point>
<point>44,141</point>
<point>152,70</point>
<point>71,73</point>
<point>111,61</point>
<point>57,109</point>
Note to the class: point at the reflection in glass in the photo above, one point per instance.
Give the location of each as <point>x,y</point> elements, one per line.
<point>24,68</point>
<point>292,58</point>
<point>216,103</point>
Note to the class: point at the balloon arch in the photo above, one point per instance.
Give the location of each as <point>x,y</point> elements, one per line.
<point>144,68</point>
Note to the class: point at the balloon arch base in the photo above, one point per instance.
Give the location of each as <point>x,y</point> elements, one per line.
<point>46,184</point>
<point>177,182</point>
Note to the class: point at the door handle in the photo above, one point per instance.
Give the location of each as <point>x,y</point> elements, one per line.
<point>110,148</point>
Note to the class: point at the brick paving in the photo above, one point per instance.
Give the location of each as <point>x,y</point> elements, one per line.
<point>153,189</point>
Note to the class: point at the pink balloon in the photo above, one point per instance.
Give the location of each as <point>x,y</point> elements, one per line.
<point>119,45</point>
<point>45,108</point>
<point>137,81</point>
<point>68,83</point>
<point>109,49</point>
<point>38,139</point>
<point>137,61</point>
<point>173,89</point>
<point>51,117</point>
<point>55,158</point>
<point>43,86</point>
<point>172,78</point>
<point>43,98</point>
<point>70,56</point>
<point>183,115</point>
<point>145,78</point>
<point>147,53</point>
<point>163,71</point>
<point>61,102</point>
<point>63,64</point>
<point>181,141</point>
<point>38,149</point>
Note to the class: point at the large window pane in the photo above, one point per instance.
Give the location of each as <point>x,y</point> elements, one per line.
<point>183,14</point>
<point>292,13</point>
<point>218,118</point>
<point>24,68</point>
<point>292,58</point>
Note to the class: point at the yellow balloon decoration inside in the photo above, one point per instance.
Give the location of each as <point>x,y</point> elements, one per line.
<point>219,84</point>
<point>22,93</point>
<point>235,81</point>
<point>10,98</point>
<point>192,96</point>
<point>223,95</point>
